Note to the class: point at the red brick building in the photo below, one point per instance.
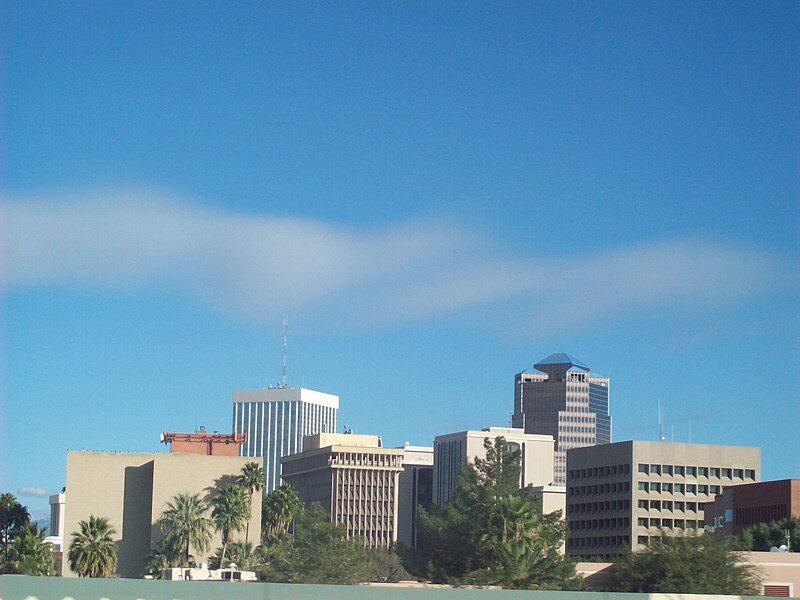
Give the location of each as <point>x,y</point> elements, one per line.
<point>741,506</point>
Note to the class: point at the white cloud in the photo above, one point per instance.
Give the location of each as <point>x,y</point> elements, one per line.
<point>253,265</point>
<point>34,491</point>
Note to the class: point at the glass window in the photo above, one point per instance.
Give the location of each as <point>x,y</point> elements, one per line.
<point>667,487</point>
<point>691,506</point>
<point>679,470</point>
<point>680,523</point>
<point>643,522</point>
<point>702,489</point>
<point>655,505</point>
<point>643,486</point>
<point>691,488</point>
<point>644,468</point>
<point>680,506</point>
<point>727,473</point>
<point>715,471</point>
<point>750,474</point>
<point>680,488</point>
<point>715,489</point>
<point>666,523</point>
<point>691,471</point>
<point>643,504</point>
<point>667,504</point>
<point>655,487</point>
<point>655,469</point>
<point>655,522</point>
<point>702,471</point>
<point>667,469</point>
<point>738,473</point>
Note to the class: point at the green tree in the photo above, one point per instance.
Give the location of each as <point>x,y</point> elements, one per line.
<point>252,479</point>
<point>318,552</point>
<point>186,524</point>
<point>93,552</point>
<point>230,513</point>
<point>28,553</point>
<point>491,532</point>
<point>278,510</point>
<point>242,554</point>
<point>163,556</point>
<point>13,515</point>
<point>386,566</point>
<point>762,537</point>
<point>687,564</point>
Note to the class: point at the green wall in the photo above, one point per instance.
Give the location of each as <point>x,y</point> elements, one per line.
<point>19,587</point>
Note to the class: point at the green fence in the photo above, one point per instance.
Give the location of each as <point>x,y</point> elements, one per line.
<point>20,587</point>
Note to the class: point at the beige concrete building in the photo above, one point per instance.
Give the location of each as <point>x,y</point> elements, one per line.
<point>622,495</point>
<point>416,489</point>
<point>132,490</point>
<point>454,449</point>
<point>354,478</point>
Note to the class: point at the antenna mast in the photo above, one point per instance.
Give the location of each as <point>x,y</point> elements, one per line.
<point>661,437</point>
<point>284,370</point>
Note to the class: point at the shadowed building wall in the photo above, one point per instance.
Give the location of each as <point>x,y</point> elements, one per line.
<point>132,491</point>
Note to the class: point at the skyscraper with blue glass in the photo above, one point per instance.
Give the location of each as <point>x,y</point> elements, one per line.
<point>564,399</point>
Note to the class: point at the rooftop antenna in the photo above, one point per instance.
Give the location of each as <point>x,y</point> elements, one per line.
<point>661,437</point>
<point>690,432</point>
<point>284,370</point>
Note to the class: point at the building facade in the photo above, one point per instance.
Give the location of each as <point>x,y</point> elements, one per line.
<point>416,489</point>
<point>741,506</point>
<point>132,491</point>
<point>354,478</point>
<point>275,421</point>
<point>202,442</point>
<point>451,451</point>
<point>620,496</point>
<point>564,400</point>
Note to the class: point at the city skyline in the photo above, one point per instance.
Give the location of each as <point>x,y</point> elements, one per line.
<point>436,196</point>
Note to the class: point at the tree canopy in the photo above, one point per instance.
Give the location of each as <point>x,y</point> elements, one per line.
<point>93,552</point>
<point>28,553</point>
<point>688,564</point>
<point>762,537</point>
<point>491,532</point>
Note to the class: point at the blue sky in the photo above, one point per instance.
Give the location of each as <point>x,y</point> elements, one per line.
<point>437,194</point>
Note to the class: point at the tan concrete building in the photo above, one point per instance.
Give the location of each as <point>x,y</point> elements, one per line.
<point>454,449</point>
<point>132,490</point>
<point>416,489</point>
<point>354,478</point>
<point>622,495</point>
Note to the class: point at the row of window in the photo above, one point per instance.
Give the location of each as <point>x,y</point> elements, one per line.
<point>679,488</point>
<point>599,471</point>
<point>684,471</point>
<point>599,524</point>
<point>598,541</point>
<point>669,523</point>
<point>602,488</point>
<point>669,505</point>
<point>608,505</point>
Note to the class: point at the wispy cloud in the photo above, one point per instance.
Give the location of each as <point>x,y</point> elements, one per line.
<point>254,265</point>
<point>34,491</point>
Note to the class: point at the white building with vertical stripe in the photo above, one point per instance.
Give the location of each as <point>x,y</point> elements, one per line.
<point>276,420</point>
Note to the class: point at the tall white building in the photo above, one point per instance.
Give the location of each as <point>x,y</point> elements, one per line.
<point>275,421</point>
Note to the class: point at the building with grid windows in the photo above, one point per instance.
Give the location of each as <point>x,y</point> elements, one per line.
<point>562,398</point>
<point>620,496</point>
<point>275,421</point>
<point>354,478</point>
<point>454,449</point>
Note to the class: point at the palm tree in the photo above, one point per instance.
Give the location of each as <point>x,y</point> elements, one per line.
<point>93,552</point>
<point>12,516</point>
<point>186,524</point>
<point>252,478</point>
<point>230,513</point>
<point>28,553</point>
<point>279,509</point>
<point>242,553</point>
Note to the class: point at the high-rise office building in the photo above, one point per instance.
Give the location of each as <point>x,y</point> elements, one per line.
<point>622,496</point>
<point>565,400</point>
<point>275,421</point>
<point>355,479</point>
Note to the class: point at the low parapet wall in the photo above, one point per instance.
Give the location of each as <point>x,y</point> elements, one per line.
<point>19,587</point>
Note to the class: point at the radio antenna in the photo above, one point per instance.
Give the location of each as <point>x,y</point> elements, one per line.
<point>284,370</point>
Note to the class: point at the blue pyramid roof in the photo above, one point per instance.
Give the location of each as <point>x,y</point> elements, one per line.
<point>559,359</point>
